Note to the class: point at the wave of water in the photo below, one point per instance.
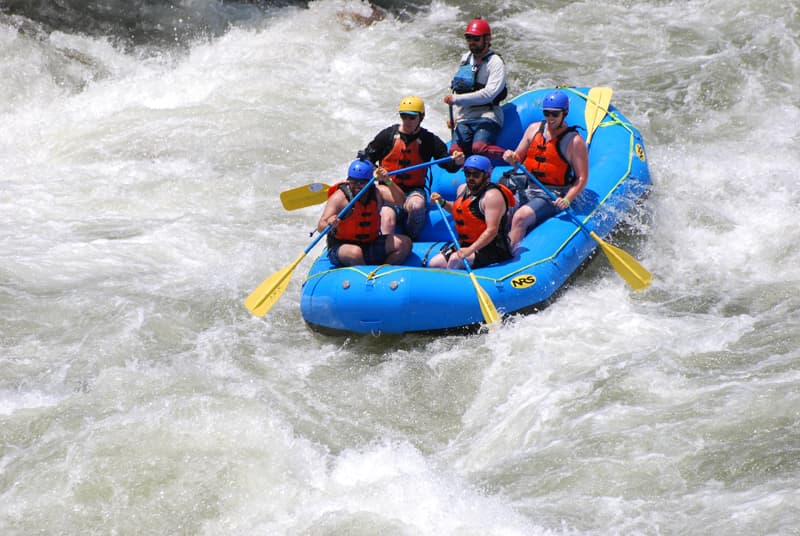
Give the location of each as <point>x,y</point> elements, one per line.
<point>139,206</point>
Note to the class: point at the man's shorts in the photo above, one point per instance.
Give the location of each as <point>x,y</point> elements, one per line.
<point>374,252</point>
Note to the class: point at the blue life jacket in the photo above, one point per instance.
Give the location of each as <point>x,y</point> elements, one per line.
<point>465,80</point>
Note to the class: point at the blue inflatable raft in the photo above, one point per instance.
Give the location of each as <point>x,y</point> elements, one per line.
<point>413,298</point>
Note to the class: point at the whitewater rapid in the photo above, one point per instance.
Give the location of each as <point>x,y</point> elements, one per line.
<point>140,205</point>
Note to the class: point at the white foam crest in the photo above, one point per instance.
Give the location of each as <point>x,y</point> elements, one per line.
<point>159,444</point>
<point>387,487</point>
<point>139,206</point>
<point>736,215</point>
<point>13,400</point>
<point>547,365</point>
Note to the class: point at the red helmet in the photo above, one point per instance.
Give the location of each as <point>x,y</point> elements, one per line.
<point>478,27</point>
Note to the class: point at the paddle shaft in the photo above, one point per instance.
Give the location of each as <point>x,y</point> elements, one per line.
<point>264,297</point>
<point>364,189</point>
<point>422,165</point>
<point>452,125</point>
<point>452,234</point>
<point>303,196</point>
<point>552,196</point>
<point>488,310</point>
<point>341,213</point>
<point>626,266</point>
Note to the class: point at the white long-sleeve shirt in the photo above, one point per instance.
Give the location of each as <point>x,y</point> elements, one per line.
<point>480,104</point>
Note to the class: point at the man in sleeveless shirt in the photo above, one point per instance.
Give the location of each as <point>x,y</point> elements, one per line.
<point>554,153</point>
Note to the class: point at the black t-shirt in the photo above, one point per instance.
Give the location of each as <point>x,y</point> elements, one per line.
<point>432,146</point>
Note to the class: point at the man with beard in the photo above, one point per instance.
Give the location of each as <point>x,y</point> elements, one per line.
<point>480,214</point>
<point>478,88</point>
<point>356,238</point>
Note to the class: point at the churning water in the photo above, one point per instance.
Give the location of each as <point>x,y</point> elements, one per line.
<point>143,148</point>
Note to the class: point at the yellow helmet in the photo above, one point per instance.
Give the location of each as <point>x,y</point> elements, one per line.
<point>412,105</point>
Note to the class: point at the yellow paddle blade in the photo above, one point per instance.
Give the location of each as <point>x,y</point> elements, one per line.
<point>305,196</point>
<point>264,297</point>
<point>489,311</point>
<point>626,266</point>
<point>596,109</point>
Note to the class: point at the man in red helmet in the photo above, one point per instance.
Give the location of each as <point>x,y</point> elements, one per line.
<point>478,88</point>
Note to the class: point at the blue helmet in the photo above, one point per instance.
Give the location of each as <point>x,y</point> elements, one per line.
<point>556,101</point>
<point>361,170</point>
<point>477,161</point>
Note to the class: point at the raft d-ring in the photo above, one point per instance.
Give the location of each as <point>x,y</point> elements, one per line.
<point>371,275</point>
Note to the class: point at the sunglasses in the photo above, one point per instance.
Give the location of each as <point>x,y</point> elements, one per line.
<point>473,37</point>
<point>408,116</point>
<point>473,173</point>
<point>552,113</point>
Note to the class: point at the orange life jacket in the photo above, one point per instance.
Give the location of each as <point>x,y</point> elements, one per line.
<point>469,218</point>
<point>362,223</point>
<point>402,156</point>
<point>546,162</point>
